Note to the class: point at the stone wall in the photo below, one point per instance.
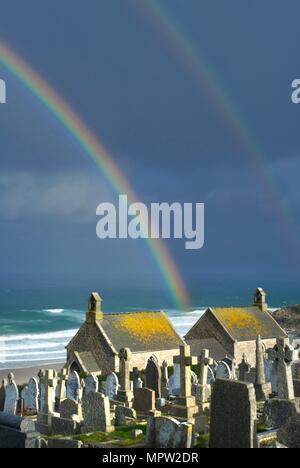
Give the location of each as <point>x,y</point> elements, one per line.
<point>249,349</point>
<point>140,359</point>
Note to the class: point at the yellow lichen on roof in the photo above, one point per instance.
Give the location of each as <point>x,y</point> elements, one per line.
<point>146,326</point>
<point>240,319</point>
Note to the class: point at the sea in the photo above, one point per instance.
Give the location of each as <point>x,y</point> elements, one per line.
<point>37,324</point>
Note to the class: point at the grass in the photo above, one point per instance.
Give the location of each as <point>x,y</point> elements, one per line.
<point>120,438</point>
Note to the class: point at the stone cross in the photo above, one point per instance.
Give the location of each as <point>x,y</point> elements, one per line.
<point>125,358</point>
<point>11,396</point>
<point>62,386</point>
<point>244,368</point>
<point>262,389</point>
<point>260,364</point>
<point>204,360</point>
<point>283,355</point>
<point>185,360</point>
<point>48,382</point>
<point>125,393</point>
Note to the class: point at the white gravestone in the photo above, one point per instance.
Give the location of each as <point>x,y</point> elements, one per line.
<point>91,384</point>
<point>174,381</point>
<point>223,371</point>
<point>11,396</point>
<point>210,376</point>
<point>31,396</point>
<point>74,387</point>
<point>111,386</point>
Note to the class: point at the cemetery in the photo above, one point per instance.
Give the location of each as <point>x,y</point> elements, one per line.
<point>194,402</point>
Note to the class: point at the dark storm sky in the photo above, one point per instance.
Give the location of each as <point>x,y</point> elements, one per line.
<point>136,89</point>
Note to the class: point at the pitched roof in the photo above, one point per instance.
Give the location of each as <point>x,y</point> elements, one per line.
<point>87,361</point>
<point>246,323</point>
<point>140,331</point>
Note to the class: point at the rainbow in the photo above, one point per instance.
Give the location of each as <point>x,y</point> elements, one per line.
<point>96,151</point>
<point>184,47</point>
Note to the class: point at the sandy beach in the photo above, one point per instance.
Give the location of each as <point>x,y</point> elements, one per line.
<point>23,375</point>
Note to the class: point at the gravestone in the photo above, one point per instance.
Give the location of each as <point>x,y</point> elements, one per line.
<point>73,387</point>
<point>167,433</point>
<point>144,400</point>
<point>91,384</point>
<point>289,434</point>
<point>17,432</point>
<point>124,415</point>
<point>203,391</point>
<point>96,413</point>
<point>174,381</point>
<point>70,408</point>
<point>283,355</point>
<point>233,415</point>
<point>47,386</point>
<point>69,420</point>
<point>125,394</point>
<point>31,397</point>
<point>262,389</point>
<point>277,412</point>
<point>11,396</point>
<point>153,376</point>
<point>24,394</point>
<point>273,375</point>
<point>2,395</point>
<point>165,380</point>
<point>223,371</point>
<point>244,367</point>
<point>210,376</point>
<point>111,386</point>
<point>42,399</point>
<point>61,389</point>
<point>185,404</point>
<point>136,377</point>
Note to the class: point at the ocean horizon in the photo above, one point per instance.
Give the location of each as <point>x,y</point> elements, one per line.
<point>36,325</point>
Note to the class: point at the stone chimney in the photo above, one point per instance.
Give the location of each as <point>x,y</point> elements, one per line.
<point>260,300</point>
<point>94,313</point>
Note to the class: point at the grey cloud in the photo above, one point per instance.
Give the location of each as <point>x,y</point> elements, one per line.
<point>71,194</point>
